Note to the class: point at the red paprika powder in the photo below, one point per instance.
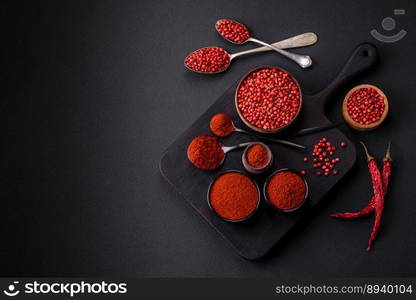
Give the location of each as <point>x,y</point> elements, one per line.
<point>221,125</point>
<point>205,152</point>
<point>257,156</point>
<point>234,196</point>
<point>286,190</point>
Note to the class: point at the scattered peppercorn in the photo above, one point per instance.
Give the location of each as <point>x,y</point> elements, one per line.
<point>303,172</point>
<point>269,98</point>
<point>257,156</point>
<point>208,60</point>
<point>205,153</point>
<point>221,125</point>
<point>365,106</point>
<point>322,157</point>
<point>343,144</point>
<point>234,196</point>
<point>233,31</point>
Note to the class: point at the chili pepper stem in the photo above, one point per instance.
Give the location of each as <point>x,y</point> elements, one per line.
<point>387,157</point>
<point>369,157</point>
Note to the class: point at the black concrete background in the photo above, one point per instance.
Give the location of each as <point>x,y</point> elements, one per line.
<point>95,91</point>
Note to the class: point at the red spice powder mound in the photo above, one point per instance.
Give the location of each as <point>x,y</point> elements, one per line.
<point>257,156</point>
<point>233,196</point>
<point>269,98</point>
<point>208,60</point>
<point>221,125</point>
<point>205,152</point>
<point>232,30</point>
<point>365,106</point>
<point>286,190</point>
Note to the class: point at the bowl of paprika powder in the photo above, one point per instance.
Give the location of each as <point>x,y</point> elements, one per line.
<point>286,190</point>
<point>257,158</point>
<point>233,196</point>
<point>268,99</point>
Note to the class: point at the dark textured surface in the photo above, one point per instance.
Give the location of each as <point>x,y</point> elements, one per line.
<point>93,94</point>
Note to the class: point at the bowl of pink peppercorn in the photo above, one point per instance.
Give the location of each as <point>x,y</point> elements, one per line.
<point>268,99</point>
<point>365,107</point>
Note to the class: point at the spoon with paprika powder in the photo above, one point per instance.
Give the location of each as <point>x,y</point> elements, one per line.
<point>222,125</point>
<point>238,33</point>
<point>213,60</point>
<point>207,153</point>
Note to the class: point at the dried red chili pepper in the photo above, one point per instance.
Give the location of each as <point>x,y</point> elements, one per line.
<point>378,194</point>
<point>370,205</point>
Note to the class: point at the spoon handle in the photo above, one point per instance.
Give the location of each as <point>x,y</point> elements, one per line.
<point>310,130</point>
<point>301,40</point>
<point>303,61</point>
<point>231,148</point>
<point>283,142</point>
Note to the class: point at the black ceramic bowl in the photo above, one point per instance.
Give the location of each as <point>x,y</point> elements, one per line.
<point>231,220</point>
<point>286,170</point>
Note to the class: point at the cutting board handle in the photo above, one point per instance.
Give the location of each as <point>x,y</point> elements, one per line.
<point>363,57</point>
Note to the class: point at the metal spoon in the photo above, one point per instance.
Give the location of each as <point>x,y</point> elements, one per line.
<point>236,129</point>
<point>227,149</point>
<point>303,61</point>
<point>301,40</point>
<point>278,141</point>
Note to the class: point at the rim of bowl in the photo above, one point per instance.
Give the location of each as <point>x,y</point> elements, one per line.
<point>230,220</point>
<point>261,130</point>
<point>350,121</point>
<point>286,170</point>
<point>269,151</point>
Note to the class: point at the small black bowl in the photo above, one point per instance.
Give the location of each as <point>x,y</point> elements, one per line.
<point>286,170</point>
<point>229,220</point>
<point>252,169</point>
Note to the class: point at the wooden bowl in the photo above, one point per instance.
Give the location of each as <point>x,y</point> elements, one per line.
<point>255,128</point>
<point>356,125</point>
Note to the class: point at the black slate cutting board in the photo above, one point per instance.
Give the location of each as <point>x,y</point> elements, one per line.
<point>254,238</point>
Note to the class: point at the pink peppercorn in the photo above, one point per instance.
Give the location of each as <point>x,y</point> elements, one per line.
<point>269,98</point>
<point>303,172</point>
<point>208,60</point>
<point>233,31</point>
<point>322,157</point>
<point>343,144</point>
<point>365,106</point>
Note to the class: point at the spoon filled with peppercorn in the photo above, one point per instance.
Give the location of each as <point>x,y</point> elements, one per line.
<point>222,125</point>
<point>238,33</point>
<point>213,60</point>
<point>207,153</point>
